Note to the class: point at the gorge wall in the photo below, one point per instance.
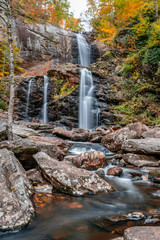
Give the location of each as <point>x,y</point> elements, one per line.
<point>42,44</point>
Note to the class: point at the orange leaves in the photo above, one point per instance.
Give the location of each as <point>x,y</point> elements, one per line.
<point>75,205</point>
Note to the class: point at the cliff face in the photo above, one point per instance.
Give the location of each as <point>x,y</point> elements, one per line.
<point>45,42</point>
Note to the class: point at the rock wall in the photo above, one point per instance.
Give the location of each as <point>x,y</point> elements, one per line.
<point>63,108</point>
<point>45,42</point>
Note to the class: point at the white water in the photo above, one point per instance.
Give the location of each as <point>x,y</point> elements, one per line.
<point>45,100</point>
<point>28,96</point>
<point>88,110</point>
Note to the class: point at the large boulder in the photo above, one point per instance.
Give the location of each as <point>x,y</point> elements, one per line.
<point>24,150</point>
<point>152,133</point>
<point>67,178</point>
<point>114,139</point>
<point>143,146</point>
<point>60,143</point>
<point>23,131</point>
<point>90,160</point>
<point>61,132</point>
<point>140,160</point>
<point>142,233</point>
<point>16,208</point>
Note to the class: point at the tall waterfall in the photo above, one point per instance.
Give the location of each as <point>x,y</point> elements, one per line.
<point>45,100</point>
<point>28,96</point>
<point>88,110</point>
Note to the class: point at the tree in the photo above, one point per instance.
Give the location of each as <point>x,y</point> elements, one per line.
<point>6,17</point>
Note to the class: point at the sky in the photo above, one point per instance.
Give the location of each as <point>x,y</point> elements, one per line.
<point>78,6</point>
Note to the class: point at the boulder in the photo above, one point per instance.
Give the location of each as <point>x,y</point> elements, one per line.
<point>75,134</point>
<point>114,139</point>
<point>16,208</point>
<point>140,160</point>
<point>65,177</point>
<point>154,175</point>
<point>81,135</point>
<point>142,233</point>
<point>115,171</point>
<point>90,160</point>
<point>152,133</point>
<point>142,146</point>
<point>100,173</point>
<point>60,143</point>
<point>61,132</point>
<point>24,149</point>
<point>23,131</point>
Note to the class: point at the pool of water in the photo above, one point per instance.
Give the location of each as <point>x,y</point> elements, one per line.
<point>64,217</point>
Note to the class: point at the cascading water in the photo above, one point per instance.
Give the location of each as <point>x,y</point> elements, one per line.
<point>45,100</point>
<point>28,96</point>
<point>88,110</point>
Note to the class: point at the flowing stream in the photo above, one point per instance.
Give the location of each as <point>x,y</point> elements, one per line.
<point>88,110</point>
<point>28,96</point>
<point>45,100</point>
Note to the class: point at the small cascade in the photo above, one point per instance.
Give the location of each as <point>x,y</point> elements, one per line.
<point>28,97</point>
<point>88,110</point>
<point>45,100</point>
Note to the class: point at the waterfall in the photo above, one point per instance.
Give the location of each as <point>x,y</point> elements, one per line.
<point>45,100</point>
<point>28,96</point>
<point>84,51</point>
<point>88,109</point>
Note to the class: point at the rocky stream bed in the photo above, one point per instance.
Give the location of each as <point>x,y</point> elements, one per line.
<point>79,184</point>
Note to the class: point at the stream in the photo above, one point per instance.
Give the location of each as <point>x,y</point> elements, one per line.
<point>95,217</point>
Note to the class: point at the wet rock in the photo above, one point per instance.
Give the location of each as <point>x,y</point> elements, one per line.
<point>154,175</point>
<point>122,162</point>
<point>135,216</point>
<point>68,179</point>
<point>96,139</point>
<point>119,238</point>
<point>90,160</point>
<point>141,233</point>
<point>140,160</point>
<point>114,139</point>
<point>142,146</point>
<point>61,132</point>
<point>100,173</point>
<point>152,133</point>
<point>135,174</point>
<point>44,189</point>
<point>151,221</point>
<point>3,134</point>
<point>75,134</point>
<point>115,171</point>
<point>81,135</point>
<point>35,176</point>
<point>16,208</point>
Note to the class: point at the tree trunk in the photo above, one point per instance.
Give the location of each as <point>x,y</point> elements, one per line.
<point>11,69</point>
<point>157,16</point>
